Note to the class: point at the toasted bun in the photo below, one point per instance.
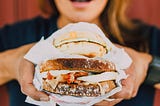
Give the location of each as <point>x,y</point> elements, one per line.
<point>89,65</point>
<point>89,90</point>
<point>81,43</point>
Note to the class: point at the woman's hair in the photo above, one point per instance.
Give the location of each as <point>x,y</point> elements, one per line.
<point>112,17</point>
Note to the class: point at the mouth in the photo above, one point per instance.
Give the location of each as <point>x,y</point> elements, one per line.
<point>81,0</point>
<point>80,4</point>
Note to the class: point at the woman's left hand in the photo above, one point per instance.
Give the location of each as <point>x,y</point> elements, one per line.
<point>136,75</point>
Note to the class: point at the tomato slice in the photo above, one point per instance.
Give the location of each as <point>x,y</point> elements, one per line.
<point>49,76</point>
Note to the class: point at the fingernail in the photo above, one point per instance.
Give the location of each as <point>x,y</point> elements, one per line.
<point>44,99</point>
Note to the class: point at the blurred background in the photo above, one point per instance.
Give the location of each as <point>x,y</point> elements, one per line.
<point>12,11</point>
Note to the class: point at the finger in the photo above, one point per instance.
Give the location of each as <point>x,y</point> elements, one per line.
<point>127,90</point>
<point>123,94</point>
<point>26,81</point>
<point>108,103</point>
<point>136,88</point>
<point>31,91</point>
<point>132,83</point>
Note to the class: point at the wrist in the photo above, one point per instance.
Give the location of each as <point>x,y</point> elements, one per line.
<point>5,75</point>
<point>148,61</point>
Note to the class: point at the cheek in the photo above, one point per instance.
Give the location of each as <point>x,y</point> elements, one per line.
<point>63,6</point>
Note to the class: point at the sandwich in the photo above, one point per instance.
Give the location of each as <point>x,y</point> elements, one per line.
<point>85,72</point>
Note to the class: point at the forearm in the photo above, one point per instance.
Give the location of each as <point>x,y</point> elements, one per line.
<point>5,75</point>
<point>9,62</point>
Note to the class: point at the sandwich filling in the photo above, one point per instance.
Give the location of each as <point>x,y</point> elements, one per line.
<point>77,80</point>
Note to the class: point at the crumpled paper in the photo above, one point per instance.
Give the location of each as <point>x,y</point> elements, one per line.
<point>44,50</point>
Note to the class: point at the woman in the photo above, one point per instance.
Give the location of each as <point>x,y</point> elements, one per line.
<point>109,15</point>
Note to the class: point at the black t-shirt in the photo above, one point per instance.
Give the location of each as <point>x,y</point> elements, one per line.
<point>29,31</point>
<point>12,36</point>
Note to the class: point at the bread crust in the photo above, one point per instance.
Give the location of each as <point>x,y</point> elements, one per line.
<point>89,65</point>
<point>89,90</point>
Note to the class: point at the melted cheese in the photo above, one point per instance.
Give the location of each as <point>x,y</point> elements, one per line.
<point>99,77</point>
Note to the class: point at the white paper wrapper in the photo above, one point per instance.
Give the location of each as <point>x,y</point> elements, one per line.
<point>44,50</point>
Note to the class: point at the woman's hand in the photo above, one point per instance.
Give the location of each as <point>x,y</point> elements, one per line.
<point>137,73</point>
<point>25,78</point>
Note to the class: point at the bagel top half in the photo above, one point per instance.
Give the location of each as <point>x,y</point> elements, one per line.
<point>82,43</point>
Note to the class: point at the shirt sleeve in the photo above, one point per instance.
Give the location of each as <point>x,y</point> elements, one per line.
<point>1,46</point>
<point>24,32</point>
<point>154,67</point>
<point>155,41</point>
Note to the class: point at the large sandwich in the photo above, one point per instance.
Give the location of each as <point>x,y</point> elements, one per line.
<point>87,73</point>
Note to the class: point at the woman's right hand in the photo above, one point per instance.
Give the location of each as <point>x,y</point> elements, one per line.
<point>25,78</point>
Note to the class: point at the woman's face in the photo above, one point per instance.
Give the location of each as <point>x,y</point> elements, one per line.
<point>80,10</point>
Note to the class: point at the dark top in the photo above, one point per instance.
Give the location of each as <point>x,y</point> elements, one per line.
<point>25,32</point>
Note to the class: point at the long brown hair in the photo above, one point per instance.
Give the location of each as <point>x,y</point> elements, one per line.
<point>111,18</point>
<point>114,16</point>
